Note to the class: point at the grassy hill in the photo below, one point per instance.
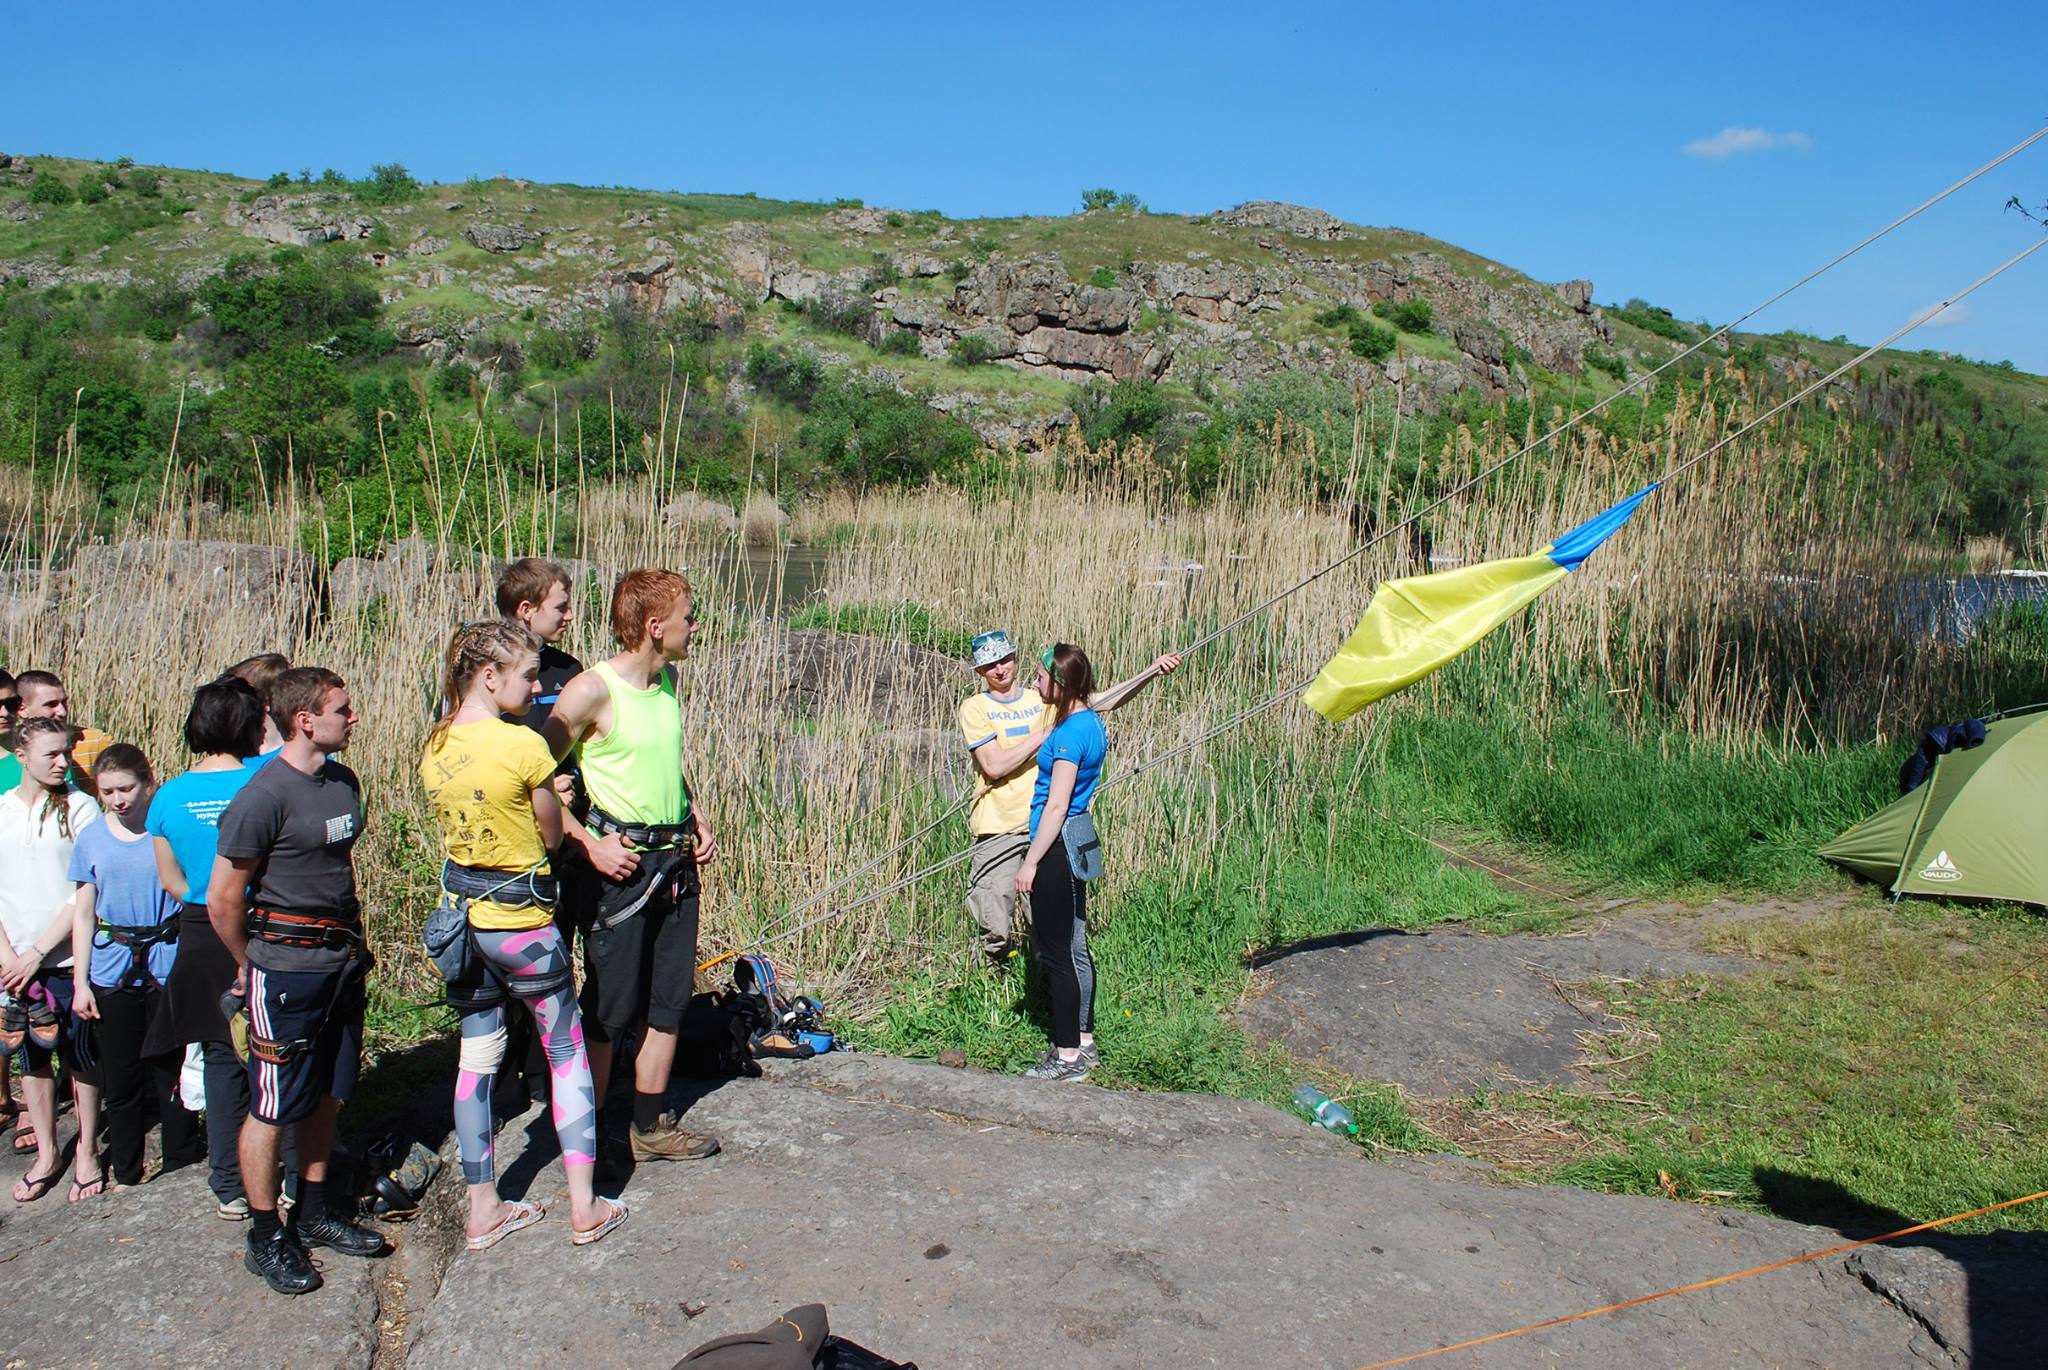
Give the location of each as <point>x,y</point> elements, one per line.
<point>273,323</point>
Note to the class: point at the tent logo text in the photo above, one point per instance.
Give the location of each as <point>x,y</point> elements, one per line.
<point>1941,868</point>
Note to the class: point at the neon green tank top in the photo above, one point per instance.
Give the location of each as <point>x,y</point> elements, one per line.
<point>634,771</point>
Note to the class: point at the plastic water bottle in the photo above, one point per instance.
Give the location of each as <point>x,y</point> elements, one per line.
<point>1324,1111</point>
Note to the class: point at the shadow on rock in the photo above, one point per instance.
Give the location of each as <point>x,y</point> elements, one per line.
<point>1979,1296</point>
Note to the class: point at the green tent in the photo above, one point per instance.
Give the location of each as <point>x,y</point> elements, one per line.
<point>1977,829</point>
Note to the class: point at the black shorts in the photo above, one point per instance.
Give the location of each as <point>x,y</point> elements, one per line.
<point>643,968</point>
<point>318,1017</point>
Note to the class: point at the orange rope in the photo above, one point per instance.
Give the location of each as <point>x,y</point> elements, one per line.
<point>1705,1284</point>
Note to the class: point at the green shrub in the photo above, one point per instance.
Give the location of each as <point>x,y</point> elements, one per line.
<point>972,350</point>
<point>1600,359</point>
<point>1372,342</point>
<point>279,180</point>
<point>92,191</point>
<point>983,244</point>
<point>957,271</point>
<point>1652,319</point>
<point>48,189</point>
<point>327,299</point>
<point>901,342</point>
<point>1342,317</point>
<point>1410,316</point>
<point>852,315</point>
<point>1099,197</point>
<point>1127,409</point>
<point>387,184</point>
<point>882,274</point>
<point>561,348</point>
<point>144,182</point>
<point>1102,276</point>
<point>868,433</point>
<point>784,372</point>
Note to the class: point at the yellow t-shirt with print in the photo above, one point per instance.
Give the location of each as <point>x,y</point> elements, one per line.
<point>1001,806</point>
<point>480,779</point>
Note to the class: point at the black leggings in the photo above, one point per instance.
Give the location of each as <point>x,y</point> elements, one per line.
<point>129,1080</point>
<point>1059,929</point>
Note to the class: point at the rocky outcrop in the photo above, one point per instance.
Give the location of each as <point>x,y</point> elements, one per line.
<point>206,575</point>
<point>298,220</point>
<point>501,237</point>
<point>1299,220</point>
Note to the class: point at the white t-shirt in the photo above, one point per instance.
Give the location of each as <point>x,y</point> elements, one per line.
<point>36,855</point>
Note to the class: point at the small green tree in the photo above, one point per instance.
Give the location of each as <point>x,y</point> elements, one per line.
<point>1372,342</point>
<point>972,350</point>
<point>387,184</point>
<point>48,189</point>
<point>1100,197</point>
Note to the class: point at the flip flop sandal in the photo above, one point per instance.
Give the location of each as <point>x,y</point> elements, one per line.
<point>43,1027</point>
<point>24,1137</point>
<point>87,1189</point>
<point>13,1025</point>
<point>517,1215</point>
<point>619,1214</point>
<point>36,1185</point>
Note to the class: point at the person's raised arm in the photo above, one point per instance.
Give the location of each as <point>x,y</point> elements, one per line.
<point>1122,693</point>
<point>1059,792</point>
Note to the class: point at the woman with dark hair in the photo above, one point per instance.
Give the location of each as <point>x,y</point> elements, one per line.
<point>124,931</point>
<point>1063,856</point>
<point>224,727</point>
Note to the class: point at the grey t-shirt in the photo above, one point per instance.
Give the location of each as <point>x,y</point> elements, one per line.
<point>300,829</point>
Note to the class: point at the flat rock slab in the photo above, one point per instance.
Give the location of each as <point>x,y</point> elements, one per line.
<point>1446,1012</point>
<point>150,1277</point>
<point>956,1218</point>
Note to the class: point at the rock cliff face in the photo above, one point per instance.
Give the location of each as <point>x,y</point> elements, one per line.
<point>1221,299</point>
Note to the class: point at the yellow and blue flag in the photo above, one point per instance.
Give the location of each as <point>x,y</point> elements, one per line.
<point>1419,624</point>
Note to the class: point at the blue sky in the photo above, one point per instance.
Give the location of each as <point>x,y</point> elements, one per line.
<point>1555,140</point>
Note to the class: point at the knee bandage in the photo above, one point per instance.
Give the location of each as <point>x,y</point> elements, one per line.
<point>482,1055</point>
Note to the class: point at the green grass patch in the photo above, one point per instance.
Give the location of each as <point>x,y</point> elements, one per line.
<point>905,622</point>
<point>1860,1080</point>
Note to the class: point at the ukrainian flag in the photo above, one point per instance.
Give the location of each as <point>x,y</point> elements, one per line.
<point>1420,624</point>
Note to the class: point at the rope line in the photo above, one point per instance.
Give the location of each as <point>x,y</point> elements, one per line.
<point>776,932</point>
<point>1641,1299</point>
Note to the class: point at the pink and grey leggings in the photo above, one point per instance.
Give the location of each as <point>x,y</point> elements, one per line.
<point>520,961</point>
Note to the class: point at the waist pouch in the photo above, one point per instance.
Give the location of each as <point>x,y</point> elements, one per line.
<point>1084,848</point>
<point>446,933</point>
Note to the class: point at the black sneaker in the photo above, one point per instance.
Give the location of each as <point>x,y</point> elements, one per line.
<point>338,1234</point>
<point>282,1263</point>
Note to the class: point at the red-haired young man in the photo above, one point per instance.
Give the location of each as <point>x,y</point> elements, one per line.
<point>645,838</point>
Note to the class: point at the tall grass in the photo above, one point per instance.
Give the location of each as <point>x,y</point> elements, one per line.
<point>1745,623</point>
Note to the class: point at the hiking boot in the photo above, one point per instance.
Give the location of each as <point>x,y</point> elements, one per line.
<point>235,1210</point>
<point>1090,1057</point>
<point>1051,1067</point>
<point>338,1234</point>
<point>282,1262</point>
<point>669,1140</point>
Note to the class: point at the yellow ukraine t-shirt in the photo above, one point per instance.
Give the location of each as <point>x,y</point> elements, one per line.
<point>1001,806</point>
<point>480,779</point>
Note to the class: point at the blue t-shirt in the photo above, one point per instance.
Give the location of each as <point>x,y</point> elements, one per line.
<point>125,893</point>
<point>186,813</point>
<point>253,764</point>
<point>1081,740</point>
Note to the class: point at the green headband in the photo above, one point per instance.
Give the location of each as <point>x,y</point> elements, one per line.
<point>1045,660</point>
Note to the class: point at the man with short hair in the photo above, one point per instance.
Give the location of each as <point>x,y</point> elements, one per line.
<point>283,899</point>
<point>1003,727</point>
<point>645,838</point>
<point>40,694</point>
